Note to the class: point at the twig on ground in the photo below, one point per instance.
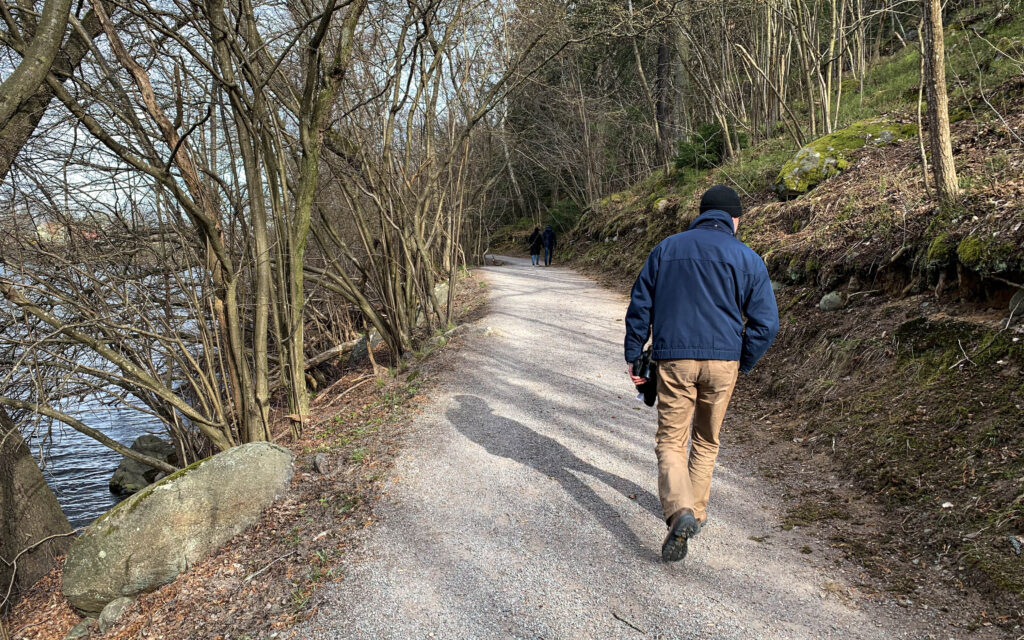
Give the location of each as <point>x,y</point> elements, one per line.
<point>272,563</point>
<point>13,564</point>
<point>358,383</point>
<point>966,357</point>
<point>627,622</point>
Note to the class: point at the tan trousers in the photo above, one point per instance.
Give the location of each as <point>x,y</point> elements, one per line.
<point>697,393</point>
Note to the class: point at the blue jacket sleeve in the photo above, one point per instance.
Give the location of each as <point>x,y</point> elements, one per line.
<point>762,318</point>
<point>638,316</point>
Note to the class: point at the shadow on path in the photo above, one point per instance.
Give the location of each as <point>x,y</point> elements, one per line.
<point>510,439</point>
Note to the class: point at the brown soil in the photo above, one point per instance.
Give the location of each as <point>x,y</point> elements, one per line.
<point>900,453</point>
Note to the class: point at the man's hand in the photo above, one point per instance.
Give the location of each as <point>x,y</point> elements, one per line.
<point>636,381</point>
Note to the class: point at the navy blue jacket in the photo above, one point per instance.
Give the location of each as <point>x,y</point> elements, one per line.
<point>695,291</point>
<point>548,238</point>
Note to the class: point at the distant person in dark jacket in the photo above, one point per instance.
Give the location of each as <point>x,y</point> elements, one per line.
<point>708,301</point>
<point>535,245</point>
<point>548,239</point>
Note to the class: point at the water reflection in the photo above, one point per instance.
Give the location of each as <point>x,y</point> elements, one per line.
<point>78,468</point>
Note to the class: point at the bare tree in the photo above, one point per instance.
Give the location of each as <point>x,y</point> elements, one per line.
<point>207,89</point>
<point>943,166</point>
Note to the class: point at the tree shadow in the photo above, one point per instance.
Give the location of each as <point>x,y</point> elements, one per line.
<point>510,439</point>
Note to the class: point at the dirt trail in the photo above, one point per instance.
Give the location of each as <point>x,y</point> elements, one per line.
<point>523,505</point>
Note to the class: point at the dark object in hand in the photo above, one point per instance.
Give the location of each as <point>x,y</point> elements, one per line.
<point>643,367</point>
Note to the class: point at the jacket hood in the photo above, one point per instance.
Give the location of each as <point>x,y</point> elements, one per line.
<point>711,218</point>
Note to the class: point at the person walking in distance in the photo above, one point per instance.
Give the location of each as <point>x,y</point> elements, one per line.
<point>535,245</point>
<point>548,239</point>
<point>706,301</point>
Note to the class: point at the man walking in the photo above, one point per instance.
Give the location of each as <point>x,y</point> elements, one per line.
<point>693,294</point>
<point>548,238</point>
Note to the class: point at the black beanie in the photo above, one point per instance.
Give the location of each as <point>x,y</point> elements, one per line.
<point>722,198</point>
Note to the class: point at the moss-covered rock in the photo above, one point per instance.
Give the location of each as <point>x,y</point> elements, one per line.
<point>989,255</point>
<point>147,540</point>
<point>827,156</point>
<point>940,250</point>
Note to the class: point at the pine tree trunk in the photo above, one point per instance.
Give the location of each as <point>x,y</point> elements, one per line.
<point>943,168</point>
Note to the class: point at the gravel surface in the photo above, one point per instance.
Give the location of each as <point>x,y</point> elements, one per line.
<point>523,505</point>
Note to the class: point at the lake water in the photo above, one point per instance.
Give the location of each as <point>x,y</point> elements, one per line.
<point>78,468</point>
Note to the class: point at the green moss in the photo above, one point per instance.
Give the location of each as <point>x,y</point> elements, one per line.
<point>986,255</point>
<point>795,270</point>
<point>651,199</point>
<point>971,250</point>
<point>826,157</point>
<point>128,505</point>
<point>940,250</point>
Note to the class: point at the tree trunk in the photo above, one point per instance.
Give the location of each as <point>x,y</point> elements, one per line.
<point>22,124</point>
<point>34,67</point>
<point>663,93</point>
<point>31,514</point>
<point>943,167</point>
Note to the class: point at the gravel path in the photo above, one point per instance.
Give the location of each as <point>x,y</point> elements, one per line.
<point>523,506</point>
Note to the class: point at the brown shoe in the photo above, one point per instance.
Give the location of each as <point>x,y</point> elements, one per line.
<point>681,527</point>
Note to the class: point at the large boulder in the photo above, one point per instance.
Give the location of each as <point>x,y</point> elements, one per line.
<point>360,352</point>
<point>132,475</point>
<point>441,294</point>
<point>151,537</point>
<point>828,156</point>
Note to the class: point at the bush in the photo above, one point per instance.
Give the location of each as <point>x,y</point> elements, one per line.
<point>563,215</point>
<point>700,150</point>
<point>704,148</point>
